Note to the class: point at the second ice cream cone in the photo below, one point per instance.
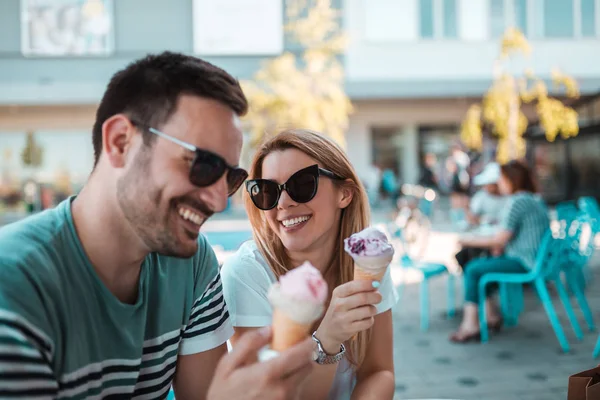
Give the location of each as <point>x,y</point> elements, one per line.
<point>287,332</point>
<point>362,275</point>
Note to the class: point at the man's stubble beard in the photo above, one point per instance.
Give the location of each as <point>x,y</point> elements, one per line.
<point>140,200</point>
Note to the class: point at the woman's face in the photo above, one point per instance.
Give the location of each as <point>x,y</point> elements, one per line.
<point>303,227</point>
<point>504,185</point>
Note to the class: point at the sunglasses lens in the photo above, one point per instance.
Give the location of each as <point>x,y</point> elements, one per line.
<point>264,194</point>
<point>206,169</point>
<point>235,178</point>
<point>302,187</point>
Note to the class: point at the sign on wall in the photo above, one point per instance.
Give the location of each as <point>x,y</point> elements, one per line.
<point>67,27</point>
<point>238,27</point>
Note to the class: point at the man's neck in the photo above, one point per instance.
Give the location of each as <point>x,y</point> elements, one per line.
<point>114,250</point>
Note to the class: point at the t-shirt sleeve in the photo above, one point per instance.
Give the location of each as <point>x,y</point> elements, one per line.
<point>513,214</point>
<point>388,293</point>
<point>209,325</point>
<point>246,285</point>
<point>26,347</point>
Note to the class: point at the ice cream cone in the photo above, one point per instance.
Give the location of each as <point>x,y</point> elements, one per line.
<point>286,331</point>
<point>298,301</point>
<point>362,275</point>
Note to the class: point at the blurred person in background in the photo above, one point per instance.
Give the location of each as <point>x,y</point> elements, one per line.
<point>514,246</point>
<point>485,210</point>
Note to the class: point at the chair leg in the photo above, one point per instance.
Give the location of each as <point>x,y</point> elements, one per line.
<point>597,349</point>
<point>424,305</point>
<point>483,326</point>
<point>542,291</point>
<point>451,296</point>
<point>581,299</point>
<point>564,298</point>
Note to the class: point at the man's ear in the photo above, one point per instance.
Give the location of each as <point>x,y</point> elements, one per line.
<point>118,135</point>
<point>346,194</point>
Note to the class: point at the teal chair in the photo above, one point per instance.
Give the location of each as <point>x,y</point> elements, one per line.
<point>576,254</point>
<point>546,267</point>
<point>428,271</point>
<point>171,395</point>
<point>597,349</point>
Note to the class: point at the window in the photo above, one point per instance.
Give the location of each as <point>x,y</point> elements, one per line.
<point>497,18</point>
<point>450,20</point>
<point>558,19</point>
<point>588,23</point>
<point>426,18</point>
<point>521,15</point>
<point>505,13</point>
<point>438,19</point>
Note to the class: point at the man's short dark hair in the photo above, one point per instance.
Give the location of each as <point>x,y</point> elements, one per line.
<point>148,89</point>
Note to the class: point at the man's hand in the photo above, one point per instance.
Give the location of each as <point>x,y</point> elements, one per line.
<point>239,376</point>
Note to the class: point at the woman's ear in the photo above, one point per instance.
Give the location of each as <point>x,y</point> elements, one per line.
<point>346,194</point>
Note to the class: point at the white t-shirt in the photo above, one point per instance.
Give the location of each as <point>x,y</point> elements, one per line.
<point>246,279</point>
<point>488,207</point>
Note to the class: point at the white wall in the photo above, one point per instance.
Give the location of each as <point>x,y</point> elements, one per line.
<point>401,55</point>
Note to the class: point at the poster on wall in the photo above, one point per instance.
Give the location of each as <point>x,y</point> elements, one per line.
<point>67,27</point>
<point>238,27</point>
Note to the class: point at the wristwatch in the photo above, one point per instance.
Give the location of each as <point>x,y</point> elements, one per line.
<point>321,357</point>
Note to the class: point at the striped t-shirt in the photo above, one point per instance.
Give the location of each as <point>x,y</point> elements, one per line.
<point>64,335</point>
<point>526,216</point>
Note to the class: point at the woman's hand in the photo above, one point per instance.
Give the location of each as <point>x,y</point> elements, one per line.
<point>350,311</point>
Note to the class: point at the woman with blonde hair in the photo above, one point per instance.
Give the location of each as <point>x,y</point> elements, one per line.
<point>303,199</point>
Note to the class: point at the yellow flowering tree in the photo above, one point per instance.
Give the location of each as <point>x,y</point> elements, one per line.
<point>288,92</point>
<point>501,105</point>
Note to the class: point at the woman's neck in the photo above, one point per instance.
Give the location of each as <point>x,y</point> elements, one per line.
<point>320,256</point>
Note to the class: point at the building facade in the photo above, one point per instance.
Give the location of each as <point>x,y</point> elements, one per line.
<point>413,67</point>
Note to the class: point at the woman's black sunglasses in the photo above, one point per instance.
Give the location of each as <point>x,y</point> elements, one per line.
<point>301,187</point>
<point>207,167</point>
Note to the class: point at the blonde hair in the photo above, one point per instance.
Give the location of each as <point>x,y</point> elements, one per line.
<point>354,218</point>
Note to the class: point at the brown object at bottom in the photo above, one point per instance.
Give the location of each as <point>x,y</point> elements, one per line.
<point>287,332</point>
<point>362,275</point>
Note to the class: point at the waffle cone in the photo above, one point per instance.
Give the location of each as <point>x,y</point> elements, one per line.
<point>362,275</point>
<point>287,332</point>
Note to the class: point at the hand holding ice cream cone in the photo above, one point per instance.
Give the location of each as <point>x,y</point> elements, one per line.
<point>372,253</point>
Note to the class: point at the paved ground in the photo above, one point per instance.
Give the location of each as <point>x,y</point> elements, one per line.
<point>520,363</point>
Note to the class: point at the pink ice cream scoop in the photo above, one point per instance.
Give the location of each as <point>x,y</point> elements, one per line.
<point>304,283</point>
<point>370,242</point>
<point>298,300</point>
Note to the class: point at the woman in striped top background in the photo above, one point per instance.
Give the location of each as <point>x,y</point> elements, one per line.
<point>514,247</point>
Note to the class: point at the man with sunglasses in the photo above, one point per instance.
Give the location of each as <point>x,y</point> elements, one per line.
<point>114,293</point>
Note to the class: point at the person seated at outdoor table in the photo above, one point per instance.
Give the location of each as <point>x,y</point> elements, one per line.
<point>514,247</point>
<point>484,212</point>
<point>303,200</point>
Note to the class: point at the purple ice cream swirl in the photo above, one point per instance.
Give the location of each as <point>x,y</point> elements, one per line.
<point>369,242</point>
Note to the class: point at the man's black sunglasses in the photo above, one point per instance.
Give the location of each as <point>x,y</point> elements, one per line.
<point>207,167</point>
<point>301,187</point>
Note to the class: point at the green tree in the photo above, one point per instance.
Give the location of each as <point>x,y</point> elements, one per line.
<point>501,106</point>
<point>302,93</point>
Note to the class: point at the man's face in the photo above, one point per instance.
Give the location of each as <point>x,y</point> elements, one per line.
<point>155,194</point>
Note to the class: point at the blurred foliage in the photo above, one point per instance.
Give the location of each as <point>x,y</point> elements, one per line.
<point>306,92</point>
<point>501,105</point>
<point>32,154</point>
